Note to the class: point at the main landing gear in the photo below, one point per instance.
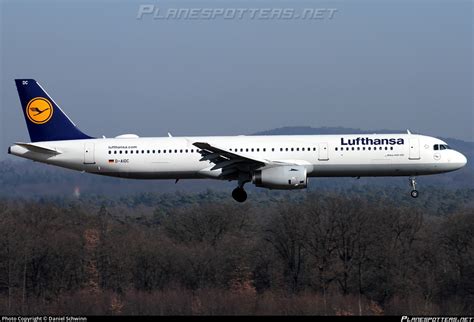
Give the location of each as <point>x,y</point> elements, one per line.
<point>414,192</point>
<point>239,194</point>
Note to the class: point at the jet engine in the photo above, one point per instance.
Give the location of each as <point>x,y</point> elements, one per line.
<point>281,177</point>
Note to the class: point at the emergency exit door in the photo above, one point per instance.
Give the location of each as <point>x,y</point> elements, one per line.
<point>323,153</point>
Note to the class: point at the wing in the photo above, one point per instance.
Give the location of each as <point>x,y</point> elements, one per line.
<point>232,163</point>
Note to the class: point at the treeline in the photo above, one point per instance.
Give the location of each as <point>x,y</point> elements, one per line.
<point>324,253</point>
<point>432,200</point>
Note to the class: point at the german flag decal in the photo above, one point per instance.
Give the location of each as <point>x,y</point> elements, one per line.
<point>111,161</point>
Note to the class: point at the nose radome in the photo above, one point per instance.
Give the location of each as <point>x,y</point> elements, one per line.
<point>462,159</point>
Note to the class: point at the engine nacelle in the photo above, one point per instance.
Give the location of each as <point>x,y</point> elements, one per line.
<point>281,177</point>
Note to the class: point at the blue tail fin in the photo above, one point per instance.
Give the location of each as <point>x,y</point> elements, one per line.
<point>45,120</point>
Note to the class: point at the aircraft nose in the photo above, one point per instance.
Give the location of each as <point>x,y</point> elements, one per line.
<point>462,159</point>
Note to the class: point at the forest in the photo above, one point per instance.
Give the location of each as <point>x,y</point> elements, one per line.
<point>370,251</point>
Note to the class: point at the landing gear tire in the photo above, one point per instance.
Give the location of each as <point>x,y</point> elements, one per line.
<point>239,194</point>
<point>414,192</point>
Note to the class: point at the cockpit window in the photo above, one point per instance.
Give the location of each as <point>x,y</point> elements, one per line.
<point>437,147</point>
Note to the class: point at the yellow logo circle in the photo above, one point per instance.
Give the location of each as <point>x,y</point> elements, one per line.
<point>39,110</point>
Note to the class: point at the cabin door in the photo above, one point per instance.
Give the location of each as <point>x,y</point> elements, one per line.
<point>414,153</point>
<point>89,153</point>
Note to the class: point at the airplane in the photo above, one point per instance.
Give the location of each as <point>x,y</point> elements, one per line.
<point>274,161</point>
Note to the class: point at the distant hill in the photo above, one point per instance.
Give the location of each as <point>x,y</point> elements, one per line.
<point>307,130</point>
<point>25,179</point>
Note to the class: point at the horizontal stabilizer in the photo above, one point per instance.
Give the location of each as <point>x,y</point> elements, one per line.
<point>37,148</point>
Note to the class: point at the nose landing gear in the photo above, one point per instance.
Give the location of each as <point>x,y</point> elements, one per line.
<point>414,192</point>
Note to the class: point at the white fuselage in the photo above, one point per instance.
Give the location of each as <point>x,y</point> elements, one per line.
<point>321,155</point>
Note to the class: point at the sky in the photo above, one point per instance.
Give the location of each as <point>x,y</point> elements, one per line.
<point>371,65</point>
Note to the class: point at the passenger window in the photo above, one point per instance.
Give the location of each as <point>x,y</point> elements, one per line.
<point>302,149</point>
<point>120,151</point>
<point>131,151</point>
<point>347,149</point>
<point>264,149</point>
<point>115,152</point>
<point>251,150</point>
<point>363,148</point>
<point>126,151</point>
<point>258,150</point>
<point>314,149</point>
<point>180,151</point>
<point>386,148</point>
<point>148,151</point>
<point>352,148</point>
<point>358,148</point>
<point>391,148</point>
<point>369,148</point>
<point>335,148</point>
<point>192,150</point>
<point>110,152</point>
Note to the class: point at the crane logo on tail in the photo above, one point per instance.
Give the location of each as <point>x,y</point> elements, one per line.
<point>39,110</point>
